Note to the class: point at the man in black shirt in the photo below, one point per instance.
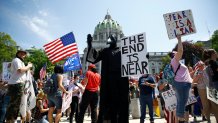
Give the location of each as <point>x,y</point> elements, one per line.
<point>146,85</point>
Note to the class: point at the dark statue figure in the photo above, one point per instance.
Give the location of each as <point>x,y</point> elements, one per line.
<point>114,91</point>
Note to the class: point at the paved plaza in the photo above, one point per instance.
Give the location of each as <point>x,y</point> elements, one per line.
<point>156,120</point>
<point>131,120</point>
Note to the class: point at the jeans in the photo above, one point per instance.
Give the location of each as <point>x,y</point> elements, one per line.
<point>42,120</point>
<point>55,100</point>
<point>4,101</point>
<point>146,100</point>
<point>182,94</point>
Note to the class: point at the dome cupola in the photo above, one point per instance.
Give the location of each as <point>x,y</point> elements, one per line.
<point>106,27</point>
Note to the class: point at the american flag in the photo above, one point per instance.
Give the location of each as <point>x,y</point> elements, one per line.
<point>61,48</point>
<point>42,72</point>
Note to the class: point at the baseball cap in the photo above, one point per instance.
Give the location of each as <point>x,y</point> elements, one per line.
<point>92,66</point>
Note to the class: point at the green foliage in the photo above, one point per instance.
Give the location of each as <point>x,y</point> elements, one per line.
<point>7,48</point>
<point>190,52</point>
<point>165,60</point>
<point>214,40</point>
<point>38,58</point>
<point>199,44</point>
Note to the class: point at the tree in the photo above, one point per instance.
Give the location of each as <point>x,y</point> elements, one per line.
<point>7,48</point>
<point>191,53</point>
<point>38,58</point>
<point>214,40</point>
<point>165,61</point>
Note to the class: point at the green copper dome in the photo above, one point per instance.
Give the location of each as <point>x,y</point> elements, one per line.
<point>107,27</point>
<point>108,22</point>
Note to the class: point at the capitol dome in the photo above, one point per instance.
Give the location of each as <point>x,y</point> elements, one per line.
<point>107,27</point>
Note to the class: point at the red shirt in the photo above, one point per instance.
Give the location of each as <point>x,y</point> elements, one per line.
<point>94,80</point>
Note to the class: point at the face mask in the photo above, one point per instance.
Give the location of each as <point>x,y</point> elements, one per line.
<point>77,81</point>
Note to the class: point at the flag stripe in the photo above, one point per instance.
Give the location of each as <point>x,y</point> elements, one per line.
<point>61,48</point>
<point>54,47</point>
<point>51,43</point>
<point>42,72</point>
<point>65,55</point>
<point>61,51</point>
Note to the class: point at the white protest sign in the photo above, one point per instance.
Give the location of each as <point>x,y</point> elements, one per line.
<point>28,98</point>
<point>171,102</point>
<point>133,55</point>
<point>180,22</point>
<point>6,72</point>
<point>67,99</point>
<point>212,94</point>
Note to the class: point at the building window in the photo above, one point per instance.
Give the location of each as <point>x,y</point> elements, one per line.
<point>153,71</point>
<point>95,37</point>
<point>101,36</point>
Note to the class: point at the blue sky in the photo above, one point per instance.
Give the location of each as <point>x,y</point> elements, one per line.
<point>37,22</point>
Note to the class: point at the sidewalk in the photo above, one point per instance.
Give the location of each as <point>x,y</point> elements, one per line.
<point>156,120</point>
<point>131,120</point>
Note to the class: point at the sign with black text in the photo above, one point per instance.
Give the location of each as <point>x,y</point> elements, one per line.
<point>6,71</point>
<point>133,55</point>
<point>212,94</point>
<point>171,102</point>
<point>180,22</point>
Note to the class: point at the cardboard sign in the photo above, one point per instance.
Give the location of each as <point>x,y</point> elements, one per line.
<point>66,101</point>
<point>171,102</point>
<point>180,22</point>
<point>212,94</point>
<point>28,98</point>
<point>133,55</point>
<point>6,72</point>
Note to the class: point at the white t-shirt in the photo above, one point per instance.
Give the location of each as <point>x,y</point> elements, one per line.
<point>17,77</point>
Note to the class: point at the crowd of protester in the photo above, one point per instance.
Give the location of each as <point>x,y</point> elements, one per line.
<point>85,92</point>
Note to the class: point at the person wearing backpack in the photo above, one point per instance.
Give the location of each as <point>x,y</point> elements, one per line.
<point>182,80</point>
<point>55,98</point>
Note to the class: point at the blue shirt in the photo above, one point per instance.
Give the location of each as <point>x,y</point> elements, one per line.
<point>144,89</point>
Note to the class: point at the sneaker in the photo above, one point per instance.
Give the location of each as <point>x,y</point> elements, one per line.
<point>195,119</point>
<point>204,118</point>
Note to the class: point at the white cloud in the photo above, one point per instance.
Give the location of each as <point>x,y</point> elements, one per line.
<point>43,13</point>
<point>38,26</point>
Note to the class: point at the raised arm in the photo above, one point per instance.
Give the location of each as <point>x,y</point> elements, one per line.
<point>93,56</point>
<point>179,53</point>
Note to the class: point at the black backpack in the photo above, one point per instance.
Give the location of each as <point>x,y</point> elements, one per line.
<point>51,85</point>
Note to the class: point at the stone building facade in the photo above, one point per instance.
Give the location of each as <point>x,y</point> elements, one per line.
<point>101,33</point>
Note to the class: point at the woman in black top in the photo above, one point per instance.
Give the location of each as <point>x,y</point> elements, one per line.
<point>210,57</point>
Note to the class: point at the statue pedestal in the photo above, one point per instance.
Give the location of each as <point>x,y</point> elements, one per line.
<point>135,108</point>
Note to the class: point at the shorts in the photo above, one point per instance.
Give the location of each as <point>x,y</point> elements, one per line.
<point>55,100</point>
<point>15,92</point>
